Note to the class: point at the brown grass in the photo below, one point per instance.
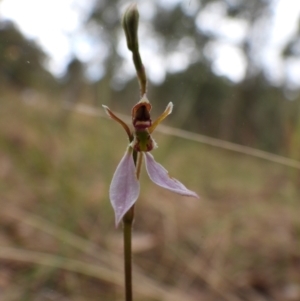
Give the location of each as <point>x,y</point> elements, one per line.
<point>240,241</point>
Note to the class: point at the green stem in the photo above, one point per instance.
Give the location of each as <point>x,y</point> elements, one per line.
<point>127,229</point>
<point>140,70</point>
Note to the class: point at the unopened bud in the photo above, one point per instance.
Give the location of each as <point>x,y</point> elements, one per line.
<point>130,24</point>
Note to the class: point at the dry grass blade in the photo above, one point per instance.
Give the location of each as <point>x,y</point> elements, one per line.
<point>145,287</point>
<point>84,109</point>
<point>67,237</point>
<point>54,261</point>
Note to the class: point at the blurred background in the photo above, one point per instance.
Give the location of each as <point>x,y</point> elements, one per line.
<point>232,70</point>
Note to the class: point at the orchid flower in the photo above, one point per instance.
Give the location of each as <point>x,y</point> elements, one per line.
<point>125,187</point>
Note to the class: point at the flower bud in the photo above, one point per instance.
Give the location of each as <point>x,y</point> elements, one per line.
<point>130,24</point>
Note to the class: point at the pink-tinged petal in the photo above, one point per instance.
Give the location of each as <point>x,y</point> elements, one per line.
<point>159,175</point>
<point>125,187</point>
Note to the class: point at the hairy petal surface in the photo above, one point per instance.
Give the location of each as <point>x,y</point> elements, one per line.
<point>125,187</point>
<point>159,175</point>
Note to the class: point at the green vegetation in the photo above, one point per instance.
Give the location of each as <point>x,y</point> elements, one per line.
<point>22,61</point>
<point>240,241</point>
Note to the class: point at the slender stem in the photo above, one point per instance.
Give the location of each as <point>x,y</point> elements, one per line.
<point>139,165</point>
<point>140,70</point>
<point>130,25</point>
<point>127,229</point>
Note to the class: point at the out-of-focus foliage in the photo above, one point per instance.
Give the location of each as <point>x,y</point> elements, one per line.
<point>252,112</point>
<point>21,60</point>
<point>74,80</point>
<point>58,241</point>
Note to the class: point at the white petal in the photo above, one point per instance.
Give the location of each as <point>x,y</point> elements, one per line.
<point>124,188</point>
<point>159,175</point>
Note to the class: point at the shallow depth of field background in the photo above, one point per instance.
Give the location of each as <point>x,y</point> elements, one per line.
<point>240,241</point>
